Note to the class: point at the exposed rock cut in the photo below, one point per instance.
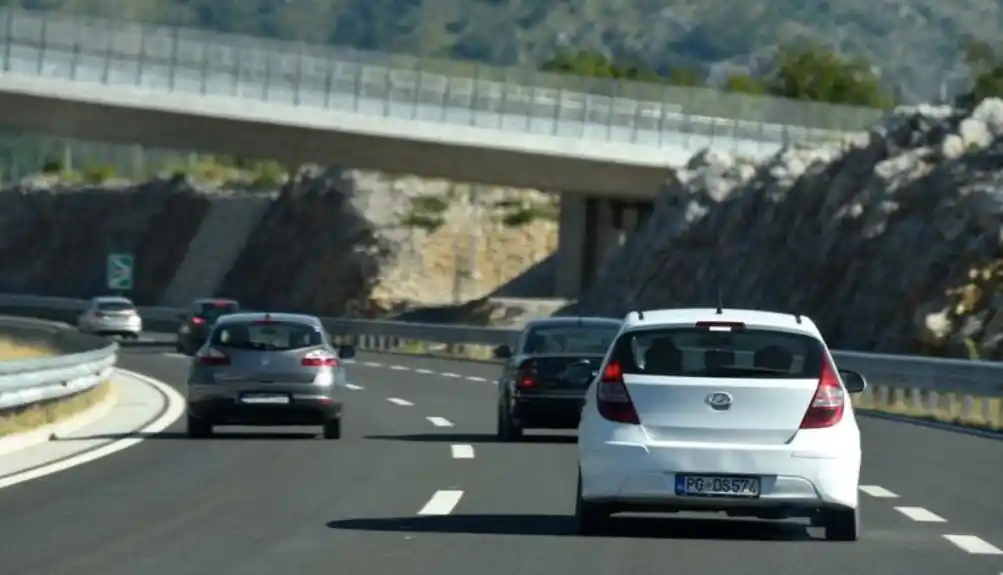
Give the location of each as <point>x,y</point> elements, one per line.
<point>890,245</point>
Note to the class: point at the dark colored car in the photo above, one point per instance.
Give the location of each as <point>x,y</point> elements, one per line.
<point>199,319</point>
<point>264,369</point>
<point>545,378</point>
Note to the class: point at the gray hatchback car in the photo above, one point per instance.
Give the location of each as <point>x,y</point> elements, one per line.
<point>267,369</point>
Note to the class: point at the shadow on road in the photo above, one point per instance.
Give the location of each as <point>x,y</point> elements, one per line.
<point>562,525</point>
<point>477,438</point>
<point>181,435</point>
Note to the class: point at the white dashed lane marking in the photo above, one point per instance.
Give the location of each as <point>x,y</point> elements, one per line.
<point>442,503</point>
<point>424,371</point>
<point>450,374</point>
<point>440,422</point>
<point>877,491</point>
<point>399,401</point>
<point>462,451</point>
<point>400,368</point>
<point>372,364</point>
<point>920,514</point>
<point>353,387</point>
<point>974,545</point>
<point>472,378</point>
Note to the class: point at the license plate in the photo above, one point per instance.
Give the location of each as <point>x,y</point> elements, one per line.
<point>267,399</point>
<point>717,486</point>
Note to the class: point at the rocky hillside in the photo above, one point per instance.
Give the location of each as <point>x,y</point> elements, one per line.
<point>331,242</point>
<point>895,244</point>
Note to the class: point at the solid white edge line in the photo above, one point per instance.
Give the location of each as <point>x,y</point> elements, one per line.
<point>399,401</point>
<point>920,514</point>
<point>973,545</point>
<point>442,502</point>
<point>461,451</point>
<point>440,421</point>
<point>174,410</point>
<point>877,491</point>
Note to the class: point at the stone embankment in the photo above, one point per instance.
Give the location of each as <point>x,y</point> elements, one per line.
<point>893,244</point>
<point>331,241</point>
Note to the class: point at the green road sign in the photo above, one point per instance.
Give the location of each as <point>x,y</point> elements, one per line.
<point>118,271</point>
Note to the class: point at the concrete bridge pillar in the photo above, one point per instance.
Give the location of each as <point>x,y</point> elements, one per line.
<point>591,229</point>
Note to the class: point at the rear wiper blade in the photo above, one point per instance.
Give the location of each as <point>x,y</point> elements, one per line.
<point>747,370</point>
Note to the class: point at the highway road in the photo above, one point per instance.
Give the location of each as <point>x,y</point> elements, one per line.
<point>252,504</point>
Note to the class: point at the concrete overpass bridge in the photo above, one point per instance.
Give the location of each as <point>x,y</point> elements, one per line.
<point>605,146</point>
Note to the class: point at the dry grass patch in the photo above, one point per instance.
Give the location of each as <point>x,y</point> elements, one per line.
<point>35,416</point>
<point>13,351</point>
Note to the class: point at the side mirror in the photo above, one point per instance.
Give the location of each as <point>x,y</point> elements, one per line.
<point>854,382</point>
<point>346,351</point>
<point>503,352</point>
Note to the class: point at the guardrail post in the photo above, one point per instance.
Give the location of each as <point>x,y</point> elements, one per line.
<point>41,44</point>
<point>329,82</point>
<point>357,87</point>
<point>109,50</point>
<point>419,89</point>
<point>141,56</point>
<point>10,39</point>
<point>238,69</point>
<point>388,85</point>
<point>297,100</point>
<point>266,86</point>
<point>205,66</point>
<point>172,70</point>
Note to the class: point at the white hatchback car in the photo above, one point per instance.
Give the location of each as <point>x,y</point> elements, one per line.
<point>734,411</point>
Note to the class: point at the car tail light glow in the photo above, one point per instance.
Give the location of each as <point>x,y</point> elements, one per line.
<point>198,321</point>
<point>826,408</point>
<point>319,359</point>
<point>612,399</point>
<point>525,376</point>
<point>212,356</point>
<point>721,325</point>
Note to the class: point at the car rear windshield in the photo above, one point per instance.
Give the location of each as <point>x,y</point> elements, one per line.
<point>570,339</point>
<point>115,306</point>
<point>212,311</point>
<point>695,352</point>
<point>270,336</point>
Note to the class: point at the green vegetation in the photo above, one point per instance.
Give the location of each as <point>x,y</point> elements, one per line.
<point>985,64</point>
<point>805,71</point>
<point>915,42</point>
<point>428,212</point>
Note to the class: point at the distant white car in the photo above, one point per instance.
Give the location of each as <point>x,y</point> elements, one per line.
<point>111,315</point>
<point>720,410</point>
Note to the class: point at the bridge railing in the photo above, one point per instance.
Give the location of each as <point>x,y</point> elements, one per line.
<point>508,99</point>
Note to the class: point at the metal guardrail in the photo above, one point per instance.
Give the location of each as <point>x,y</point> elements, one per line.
<point>937,388</point>
<point>28,381</point>
<point>513,100</point>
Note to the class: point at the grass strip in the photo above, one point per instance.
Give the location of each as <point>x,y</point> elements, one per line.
<point>22,420</point>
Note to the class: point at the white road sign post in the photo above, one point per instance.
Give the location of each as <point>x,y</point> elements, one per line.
<point>119,272</point>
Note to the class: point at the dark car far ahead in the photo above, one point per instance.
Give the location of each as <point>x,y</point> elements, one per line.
<point>198,319</point>
<point>545,378</point>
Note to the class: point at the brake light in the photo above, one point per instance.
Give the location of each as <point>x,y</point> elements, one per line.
<point>319,359</point>
<point>197,321</point>
<point>525,377</point>
<point>612,399</point>
<point>826,408</point>
<point>721,325</point>
<point>212,356</point>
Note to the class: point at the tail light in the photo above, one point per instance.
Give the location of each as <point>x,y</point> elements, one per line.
<point>197,321</point>
<point>319,359</point>
<point>612,399</point>
<point>525,376</point>
<point>827,405</point>
<point>212,356</point>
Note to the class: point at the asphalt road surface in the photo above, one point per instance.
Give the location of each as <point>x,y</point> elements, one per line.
<point>254,503</point>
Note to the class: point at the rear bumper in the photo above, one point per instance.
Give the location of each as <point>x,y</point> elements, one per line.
<point>301,410</point>
<point>134,327</point>
<point>633,476</point>
<point>543,412</point>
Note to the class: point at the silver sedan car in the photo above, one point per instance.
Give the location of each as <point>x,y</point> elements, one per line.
<point>111,315</point>
<point>267,369</point>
